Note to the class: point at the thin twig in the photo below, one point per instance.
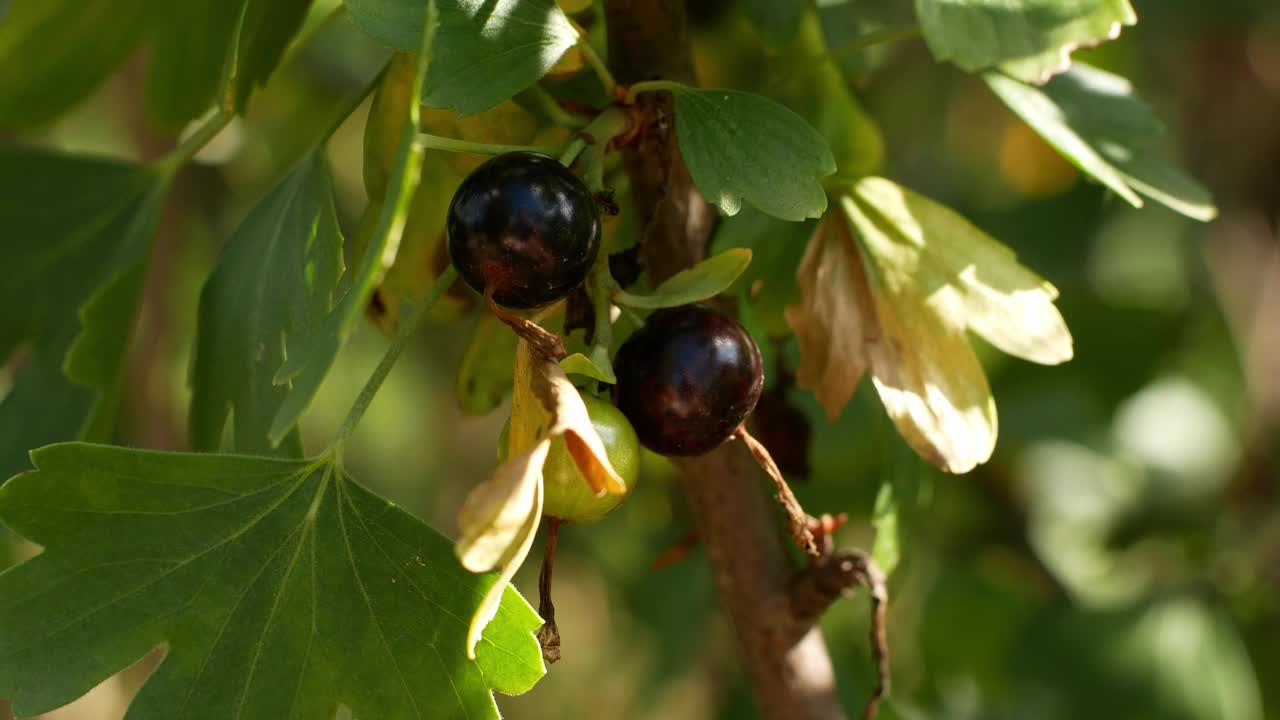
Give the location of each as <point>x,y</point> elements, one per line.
<point>826,580</point>
<point>797,519</point>
<point>548,634</point>
<point>405,331</point>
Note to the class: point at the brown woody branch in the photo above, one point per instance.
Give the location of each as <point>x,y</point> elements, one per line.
<point>789,671</point>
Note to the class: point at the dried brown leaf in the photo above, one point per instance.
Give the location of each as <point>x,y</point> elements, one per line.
<point>833,320</point>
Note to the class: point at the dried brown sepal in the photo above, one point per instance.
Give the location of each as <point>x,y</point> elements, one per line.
<point>568,417</point>
<point>542,342</point>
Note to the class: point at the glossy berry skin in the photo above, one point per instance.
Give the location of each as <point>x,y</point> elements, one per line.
<point>566,493</point>
<point>524,226</point>
<point>687,380</point>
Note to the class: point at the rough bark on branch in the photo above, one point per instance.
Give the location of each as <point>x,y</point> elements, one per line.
<point>790,676</point>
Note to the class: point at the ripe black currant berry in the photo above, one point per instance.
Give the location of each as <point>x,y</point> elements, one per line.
<point>687,380</point>
<point>524,227</point>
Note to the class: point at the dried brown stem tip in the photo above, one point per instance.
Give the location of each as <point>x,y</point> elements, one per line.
<point>798,520</point>
<point>832,576</point>
<point>543,342</point>
<point>548,634</point>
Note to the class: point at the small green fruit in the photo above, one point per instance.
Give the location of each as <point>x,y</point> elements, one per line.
<point>567,495</point>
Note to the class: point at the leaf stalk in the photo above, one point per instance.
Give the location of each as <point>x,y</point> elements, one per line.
<point>405,330</point>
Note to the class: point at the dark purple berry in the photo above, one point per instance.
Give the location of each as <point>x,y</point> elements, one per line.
<point>524,227</point>
<point>687,380</point>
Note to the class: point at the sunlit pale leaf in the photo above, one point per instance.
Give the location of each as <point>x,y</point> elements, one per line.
<point>895,290</point>
<point>495,518</point>
<point>78,232</point>
<point>967,277</point>
<point>280,588</point>
<point>276,276</point>
<point>744,147</point>
<point>1029,39</point>
<point>499,521</point>
<point>700,282</point>
<point>928,377</point>
<point>508,43</point>
<point>500,517</point>
<point>1093,118</point>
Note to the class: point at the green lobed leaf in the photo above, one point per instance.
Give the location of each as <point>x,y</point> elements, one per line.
<point>1030,39</point>
<point>700,282</point>
<point>265,31</point>
<point>78,235</point>
<point>311,351</point>
<point>1093,118</point>
<point>508,43</point>
<point>281,588</point>
<point>66,48</point>
<point>276,276</point>
<point>189,49</point>
<point>740,146</point>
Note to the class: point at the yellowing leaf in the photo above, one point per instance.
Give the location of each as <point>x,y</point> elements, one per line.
<point>931,383</point>
<point>973,281</point>
<point>900,300</point>
<point>834,319</point>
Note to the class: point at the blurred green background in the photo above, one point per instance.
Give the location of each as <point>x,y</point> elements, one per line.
<point>1119,556</point>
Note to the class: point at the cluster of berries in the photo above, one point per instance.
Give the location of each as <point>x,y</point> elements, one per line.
<point>525,230</point>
